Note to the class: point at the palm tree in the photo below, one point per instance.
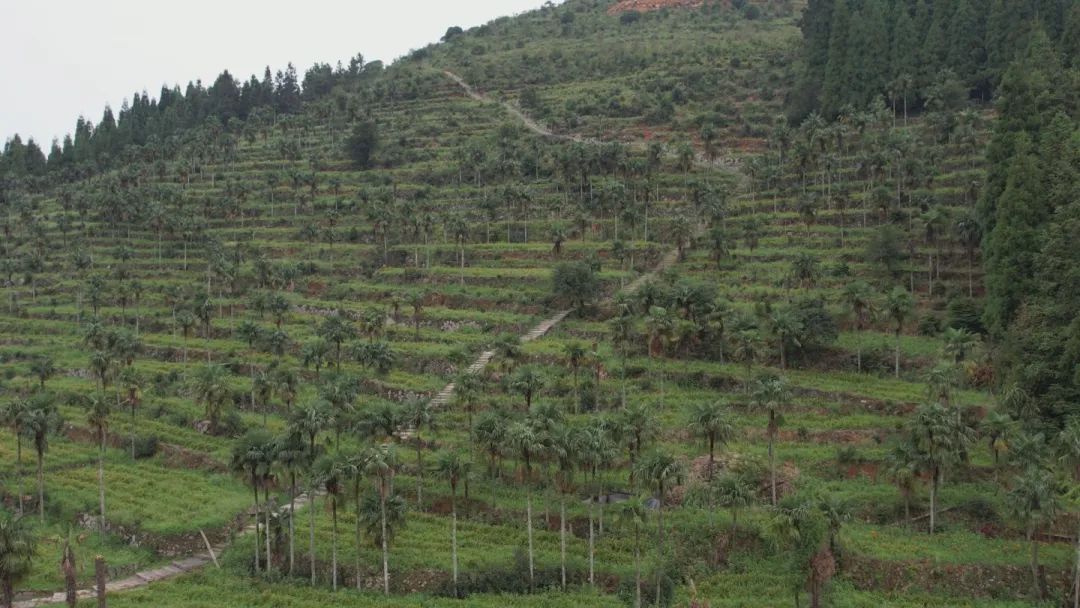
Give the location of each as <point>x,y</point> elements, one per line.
<point>17,550</point>
<point>210,387</point>
<point>131,381</point>
<point>98,419</point>
<point>308,421</point>
<point>681,233</point>
<point>526,382</point>
<point>250,456</point>
<point>622,334</point>
<point>771,395</point>
<point>285,385</point>
<point>660,470</point>
<point>466,393</point>
<point>382,464</point>
<point>41,420</point>
<point>524,439</point>
<point>418,414</point>
<point>381,422</point>
<point>567,445</point>
<point>633,512</point>
<point>598,450</point>
<point>558,237</point>
<point>1035,501</point>
<point>355,468</point>
<point>959,343</point>
<point>969,234</point>
<point>786,328</point>
<point>290,454</point>
<point>941,440</point>
<point>416,301</point>
<point>899,304</point>
<point>186,322</point>
<point>43,368</point>
<point>858,297</point>
<point>337,329</point>
<point>103,365</point>
<point>575,354</point>
<point>14,417</point>
<point>660,324</point>
<point>314,354</point>
<point>902,467</point>
<point>734,492</point>
<point>458,229</point>
<point>747,348</point>
<point>454,467</point>
<point>637,424</point>
<point>490,436</point>
<point>998,428</point>
<point>330,470</point>
<point>711,422</point>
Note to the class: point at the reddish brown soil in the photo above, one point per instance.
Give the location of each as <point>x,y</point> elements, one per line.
<point>643,6</point>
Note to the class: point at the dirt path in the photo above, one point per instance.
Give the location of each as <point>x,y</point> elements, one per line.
<point>534,126</point>
<point>516,112</point>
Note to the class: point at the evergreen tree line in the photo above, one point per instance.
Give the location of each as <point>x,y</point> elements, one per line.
<point>1030,212</point>
<point>903,50</point>
<point>146,120</point>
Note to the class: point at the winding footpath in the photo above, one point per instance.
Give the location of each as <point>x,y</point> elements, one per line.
<point>530,123</point>
<point>441,399</point>
<point>516,112</point>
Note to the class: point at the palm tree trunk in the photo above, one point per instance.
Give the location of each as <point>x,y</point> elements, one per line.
<point>18,467</point>
<point>292,523</point>
<point>933,499</point>
<point>592,548</point>
<point>528,525</point>
<point>419,472</point>
<point>660,542</point>
<point>897,354</point>
<point>712,457</point>
<point>101,482</point>
<point>41,484</point>
<point>255,488</point>
<point>385,550</point>
<point>1036,587</point>
<point>453,539</point>
<point>637,565</point>
<point>772,471</point>
<point>266,532</point>
<point>1076,575</point>
<point>311,540</point>
<point>356,563</point>
<point>333,543</point>
<point>562,538</point>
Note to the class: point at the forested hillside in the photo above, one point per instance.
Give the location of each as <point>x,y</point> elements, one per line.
<point>650,302</point>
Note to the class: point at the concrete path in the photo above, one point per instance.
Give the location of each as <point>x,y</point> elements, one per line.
<point>158,573</point>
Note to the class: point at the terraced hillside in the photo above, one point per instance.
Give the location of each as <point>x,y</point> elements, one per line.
<point>732,413</point>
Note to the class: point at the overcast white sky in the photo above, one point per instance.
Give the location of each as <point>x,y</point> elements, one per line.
<point>65,58</point>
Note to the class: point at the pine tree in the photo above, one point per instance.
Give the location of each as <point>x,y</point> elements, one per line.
<point>967,52</point>
<point>1012,244</point>
<point>868,54</point>
<point>838,71</point>
<point>904,43</point>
